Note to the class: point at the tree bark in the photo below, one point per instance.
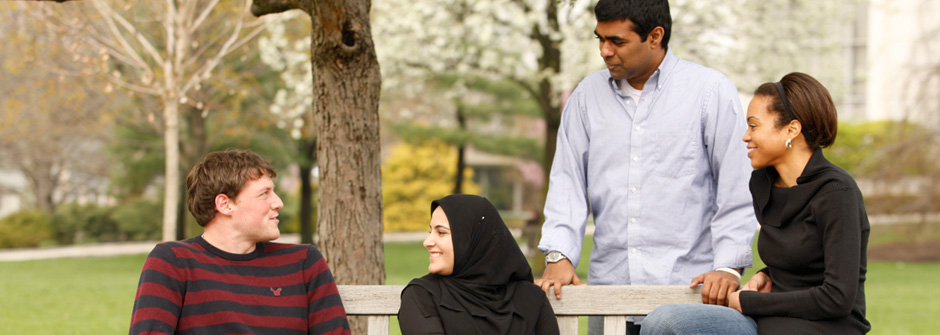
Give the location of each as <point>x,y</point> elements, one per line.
<point>308,148</point>
<point>461,151</point>
<point>346,87</point>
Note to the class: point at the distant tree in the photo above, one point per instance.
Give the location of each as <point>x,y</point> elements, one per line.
<point>162,49</point>
<point>753,42</point>
<point>518,41</point>
<point>54,123</point>
<point>484,117</point>
<point>285,50</point>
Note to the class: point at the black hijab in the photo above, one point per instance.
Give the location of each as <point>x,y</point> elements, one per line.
<point>487,266</point>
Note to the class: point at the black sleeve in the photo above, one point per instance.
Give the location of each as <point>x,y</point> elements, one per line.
<point>547,323</point>
<point>417,314</point>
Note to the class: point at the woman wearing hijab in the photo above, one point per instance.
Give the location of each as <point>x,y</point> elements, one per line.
<point>813,227</point>
<point>479,281</point>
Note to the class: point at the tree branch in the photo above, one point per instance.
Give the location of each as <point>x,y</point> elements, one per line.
<point>109,16</point>
<point>205,13</point>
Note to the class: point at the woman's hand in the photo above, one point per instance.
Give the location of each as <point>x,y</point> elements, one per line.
<point>734,300</point>
<point>760,283</point>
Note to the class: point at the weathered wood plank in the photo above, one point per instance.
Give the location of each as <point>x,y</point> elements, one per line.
<point>378,325</point>
<point>615,325</point>
<point>614,302</point>
<point>621,300</point>
<point>371,299</point>
<point>568,325</point>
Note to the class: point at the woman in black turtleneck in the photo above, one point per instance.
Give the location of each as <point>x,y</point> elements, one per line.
<point>479,280</point>
<point>814,229</point>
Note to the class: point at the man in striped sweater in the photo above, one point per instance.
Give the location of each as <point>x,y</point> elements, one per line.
<point>232,279</point>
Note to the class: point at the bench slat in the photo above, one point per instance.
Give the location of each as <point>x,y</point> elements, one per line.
<point>568,325</point>
<point>378,325</point>
<point>371,299</point>
<point>621,300</point>
<point>615,302</point>
<point>615,325</point>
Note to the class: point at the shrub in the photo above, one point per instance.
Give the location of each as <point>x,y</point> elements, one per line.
<point>139,220</point>
<point>25,229</point>
<point>415,175</point>
<point>77,223</point>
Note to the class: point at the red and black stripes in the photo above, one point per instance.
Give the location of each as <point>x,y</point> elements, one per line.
<point>191,287</point>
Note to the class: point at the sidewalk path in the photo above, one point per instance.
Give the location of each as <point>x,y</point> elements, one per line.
<point>137,248</point>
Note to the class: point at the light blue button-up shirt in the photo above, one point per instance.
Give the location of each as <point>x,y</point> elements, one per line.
<point>665,178</point>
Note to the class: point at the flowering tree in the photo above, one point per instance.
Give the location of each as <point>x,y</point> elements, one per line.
<point>285,49</point>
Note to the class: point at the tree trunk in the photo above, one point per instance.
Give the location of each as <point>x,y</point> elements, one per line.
<point>346,87</point>
<point>181,231</point>
<point>44,181</point>
<point>193,147</point>
<point>308,148</point>
<point>461,150</point>
<point>549,62</point>
<point>171,140</point>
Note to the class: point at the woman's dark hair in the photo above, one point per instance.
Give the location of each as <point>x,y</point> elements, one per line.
<point>645,14</point>
<point>809,102</point>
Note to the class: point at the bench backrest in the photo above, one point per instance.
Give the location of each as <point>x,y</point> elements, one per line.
<point>615,303</point>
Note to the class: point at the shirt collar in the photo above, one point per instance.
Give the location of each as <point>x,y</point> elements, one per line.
<point>657,80</point>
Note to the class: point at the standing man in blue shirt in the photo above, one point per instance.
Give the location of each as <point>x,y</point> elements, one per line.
<point>649,146</point>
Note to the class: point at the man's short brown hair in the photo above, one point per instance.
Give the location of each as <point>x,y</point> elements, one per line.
<point>222,172</point>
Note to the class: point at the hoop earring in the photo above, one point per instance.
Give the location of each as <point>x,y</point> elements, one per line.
<point>789,143</point>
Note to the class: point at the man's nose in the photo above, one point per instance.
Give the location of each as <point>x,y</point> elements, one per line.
<point>606,50</point>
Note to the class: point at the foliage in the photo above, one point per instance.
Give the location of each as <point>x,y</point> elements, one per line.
<point>413,176</point>
<point>81,223</point>
<point>53,122</point>
<point>24,229</point>
<point>880,149</point>
<point>137,219</point>
<point>137,157</point>
<point>165,51</point>
<point>753,42</point>
<point>484,112</point>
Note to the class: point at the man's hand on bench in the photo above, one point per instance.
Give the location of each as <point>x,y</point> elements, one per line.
<point>716,286</point>
<point>558,274</point>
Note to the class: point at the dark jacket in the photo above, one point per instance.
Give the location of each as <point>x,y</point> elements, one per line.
<point>813,239</point>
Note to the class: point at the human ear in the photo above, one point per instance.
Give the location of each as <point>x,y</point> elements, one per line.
<point>794,128</point>
<point>655,37</point>
<point>223,204</point>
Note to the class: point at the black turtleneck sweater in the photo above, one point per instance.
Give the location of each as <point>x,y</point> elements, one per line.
<point>813,239</point>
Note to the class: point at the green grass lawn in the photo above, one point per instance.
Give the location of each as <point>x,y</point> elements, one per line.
<point>95,295</point>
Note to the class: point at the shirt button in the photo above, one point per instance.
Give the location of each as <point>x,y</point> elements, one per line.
<point>634,250</point>
<point>629,102</point>
<point>633,220</point>
<point>634,190</point>
<point>637,128</point>
<point>636,158</point>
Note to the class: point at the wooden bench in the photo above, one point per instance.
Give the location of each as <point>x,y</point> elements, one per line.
<point>615,303</point>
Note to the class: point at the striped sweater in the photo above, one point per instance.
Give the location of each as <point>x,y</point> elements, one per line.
<point>191,287</point>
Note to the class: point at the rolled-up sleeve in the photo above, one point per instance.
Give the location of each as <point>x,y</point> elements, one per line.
<point>733,225</point>
<point>566,205</point>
